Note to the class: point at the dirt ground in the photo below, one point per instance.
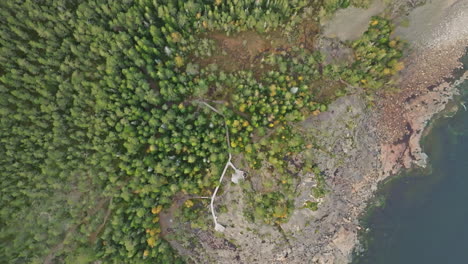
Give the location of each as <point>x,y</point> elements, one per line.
<point>245,50</point>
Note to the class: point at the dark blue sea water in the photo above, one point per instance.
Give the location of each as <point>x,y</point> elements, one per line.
<point>424,219</point>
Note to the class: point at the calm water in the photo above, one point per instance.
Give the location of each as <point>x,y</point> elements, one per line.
<point>424,219</point>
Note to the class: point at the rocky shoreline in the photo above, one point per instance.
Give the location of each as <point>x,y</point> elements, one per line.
<point>398,127</point>
<point>358,147</point>
<point>404,116</point>
<point>426,87</point>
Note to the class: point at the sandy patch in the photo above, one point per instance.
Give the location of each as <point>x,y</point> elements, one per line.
<point>350,23</point>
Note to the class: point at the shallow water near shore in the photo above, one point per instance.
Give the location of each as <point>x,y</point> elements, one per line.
<point>423,214</point>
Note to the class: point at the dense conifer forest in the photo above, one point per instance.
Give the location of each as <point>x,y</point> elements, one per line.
<point>107,113</point>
